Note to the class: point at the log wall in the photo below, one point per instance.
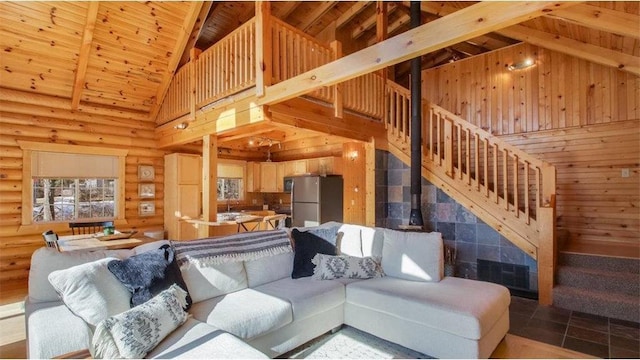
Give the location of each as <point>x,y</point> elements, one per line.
<point>31,122</point>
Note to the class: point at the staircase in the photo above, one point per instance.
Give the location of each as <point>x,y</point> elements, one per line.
<point>600,285</point>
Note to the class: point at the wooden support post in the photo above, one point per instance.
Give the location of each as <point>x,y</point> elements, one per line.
<point>336,48</point>
<point>264,59</point>
<point>382,25</point>
<point>448,147</point>
<point>209,183</point>
<point>547,245</point>
<point>193,58</point>
<point>370,183</point>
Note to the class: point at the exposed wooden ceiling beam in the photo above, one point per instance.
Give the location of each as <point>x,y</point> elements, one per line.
<point>176,54</point>
<point>351,13</point>
<point>319,10</point>
<point>370,22</point>
<point>593,53</point>
<point>195,33</point>
<point>285,8</point>
<point>617,22</point>
<point>462,25</point>
<point>83,55</point>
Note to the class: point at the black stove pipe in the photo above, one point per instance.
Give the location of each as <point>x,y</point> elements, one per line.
<point>415,217</point>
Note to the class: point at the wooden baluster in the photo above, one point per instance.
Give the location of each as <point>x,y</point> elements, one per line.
<point>526,192</point>
<point>485,164</point>
<point>468,156</point>
<point>505,172</point>
<point>448,147</point>
<point>460,151</point>
<point>476,145</point>
<point>439,137</point>
<point>515,185</point>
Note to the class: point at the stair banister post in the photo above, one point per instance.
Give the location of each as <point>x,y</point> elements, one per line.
<point>264,59</point>
<point>547,247</point>
<point>336,49</point>
<point>448,146</point>
<point>193,96</point>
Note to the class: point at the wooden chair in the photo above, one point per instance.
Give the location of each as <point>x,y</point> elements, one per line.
<point>249,222</point>
<point>274,222</point>
<point>50,239</point>
<point>85,228</point>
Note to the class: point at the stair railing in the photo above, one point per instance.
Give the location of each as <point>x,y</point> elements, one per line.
<point>516,189</point>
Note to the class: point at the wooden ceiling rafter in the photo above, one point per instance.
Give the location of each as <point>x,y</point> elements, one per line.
<point>370,22</point>
<point>320,9</point>
<point>603,19</point>
<point>83,54</point>
<point>470,22</point>
<point>176,54</point>
<point>352,12</point>
<point>195,33</point>
<point>284,9</point>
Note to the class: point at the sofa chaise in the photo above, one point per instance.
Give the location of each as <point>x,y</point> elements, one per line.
<point>255,309</point>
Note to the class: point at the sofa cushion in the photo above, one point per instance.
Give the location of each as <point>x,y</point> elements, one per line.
<point>46,260</point>
<point>330,267</point>
<point>413,255</point>
<point>308,244</point>
<point>206,282</point>
<point>268,269</point>
<point>147,274</point>
<point>462,307</point>
<point>246,313</point>
<point>135,332</point>
<point>91,291</point>
<point>52,330</point>
<point>306,295</point>
<point>197,340</point>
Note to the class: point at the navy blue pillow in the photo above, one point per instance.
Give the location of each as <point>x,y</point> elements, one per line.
<point>148,274</point>
<point>307,245</point>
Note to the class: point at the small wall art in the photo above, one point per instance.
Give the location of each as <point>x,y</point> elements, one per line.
<point>146,173</point>
<point>147,191</point>
<point>146,208</point>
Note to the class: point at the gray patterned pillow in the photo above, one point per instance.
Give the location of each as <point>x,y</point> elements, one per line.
<point>330,267</point>
<point>135,332</point>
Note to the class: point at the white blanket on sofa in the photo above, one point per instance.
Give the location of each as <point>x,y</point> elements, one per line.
<point>239,247</point>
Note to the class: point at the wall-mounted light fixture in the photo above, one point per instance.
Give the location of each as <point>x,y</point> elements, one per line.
<point>526,63</point>
<point>353,155</point>
<point>183,125</point>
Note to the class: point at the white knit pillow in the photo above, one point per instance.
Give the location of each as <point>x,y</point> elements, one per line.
<point>330,267</point>
<point>133,333</point>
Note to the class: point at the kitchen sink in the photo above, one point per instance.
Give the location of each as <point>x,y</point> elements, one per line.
<point>228,216</point>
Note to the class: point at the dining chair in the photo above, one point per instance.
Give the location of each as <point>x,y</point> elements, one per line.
<point>78,228</point>
<point>274,222</point>
<point>249,222</point>
<point>51,239</point>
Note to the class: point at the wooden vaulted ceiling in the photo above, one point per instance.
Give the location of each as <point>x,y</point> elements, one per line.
<point>120,57</point>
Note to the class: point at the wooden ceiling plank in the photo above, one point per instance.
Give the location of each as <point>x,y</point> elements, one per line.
<point>351,13</point>
<point>462,25</point>
<point>603,19</point>
<point>176,54</point>
<point>195,33</point>
<point>83,57</point>
<point>593,53</point>
<point>370,22</point>
<point>284,9</point>
<point>319,10</point>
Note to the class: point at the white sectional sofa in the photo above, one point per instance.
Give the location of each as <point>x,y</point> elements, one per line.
<point>254,309</point>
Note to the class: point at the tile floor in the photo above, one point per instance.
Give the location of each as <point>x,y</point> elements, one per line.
<point>590,334</point>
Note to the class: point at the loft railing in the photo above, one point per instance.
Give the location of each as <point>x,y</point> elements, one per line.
<point>515,188</point>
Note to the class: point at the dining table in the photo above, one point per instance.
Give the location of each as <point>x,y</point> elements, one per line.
<point>98,241</point>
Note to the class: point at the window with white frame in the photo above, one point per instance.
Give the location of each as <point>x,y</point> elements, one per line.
<point>230,184</point>
<point>69,183</point>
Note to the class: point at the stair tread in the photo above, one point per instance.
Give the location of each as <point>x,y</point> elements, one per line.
<point>599,272</point>
<point>581,293</point>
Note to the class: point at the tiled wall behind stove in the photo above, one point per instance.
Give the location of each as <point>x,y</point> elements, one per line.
<point>471,237</point>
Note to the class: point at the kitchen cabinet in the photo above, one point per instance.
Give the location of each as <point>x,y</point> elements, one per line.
<point>182,197</point>
<point>268,172</point>
<point>279,177</point>
<point>330,165</point>
<point>253,177</point>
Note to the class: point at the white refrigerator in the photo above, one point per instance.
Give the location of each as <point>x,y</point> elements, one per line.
<point>316,200</point>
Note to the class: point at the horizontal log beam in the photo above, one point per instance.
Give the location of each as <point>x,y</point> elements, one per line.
<point>462,25</point>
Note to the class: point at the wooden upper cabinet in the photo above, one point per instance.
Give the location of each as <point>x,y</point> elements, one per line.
<point>279,177</point>
<point>268,175</point>
<point>182,195</point>
<point>189,169</point>
<point>253,177</point>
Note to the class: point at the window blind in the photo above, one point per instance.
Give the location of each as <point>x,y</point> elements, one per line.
<point>65,165</point>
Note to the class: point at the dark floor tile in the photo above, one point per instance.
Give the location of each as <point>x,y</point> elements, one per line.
<point>541,335</point>
<point>625,332</point>
<point>517,321</point>
<point>587,347</point>
<point>617,353</point>
<point>552,326</point>
<point>588,335</point>
<point>551,313</point>
<point>523,306</point>
<point>592,317</point>
<point>590,323</point>
<point>629,324</point>
<point>624,343</point>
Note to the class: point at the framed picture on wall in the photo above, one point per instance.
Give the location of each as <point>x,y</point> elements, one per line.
<point>146,173</point>
<point>146,208</point>
<point>147,190</point>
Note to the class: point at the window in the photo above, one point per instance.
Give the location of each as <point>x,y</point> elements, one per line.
<point>57,199</point>
<point>230,189</point>
<point>63,183</point>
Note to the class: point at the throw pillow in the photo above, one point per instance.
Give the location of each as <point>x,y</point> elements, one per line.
<point>414,256</point>
<point>137,331</point>
<point>335,267</point>
<point>307,245</point>
<point>91,291</point>
<point>146,275</point>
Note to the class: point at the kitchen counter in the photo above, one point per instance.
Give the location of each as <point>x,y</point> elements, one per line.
<point>227,227</point>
